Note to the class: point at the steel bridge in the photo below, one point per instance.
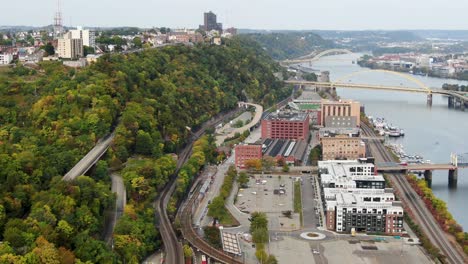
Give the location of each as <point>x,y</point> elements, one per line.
<point>314,56</point>
<point>456,99</point>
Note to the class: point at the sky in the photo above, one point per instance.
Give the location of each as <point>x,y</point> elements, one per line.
<point>252,14</point>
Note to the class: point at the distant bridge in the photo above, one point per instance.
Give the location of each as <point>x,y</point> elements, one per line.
<point>90,159</point>
<point>455,98</point>
<point>314,56</point>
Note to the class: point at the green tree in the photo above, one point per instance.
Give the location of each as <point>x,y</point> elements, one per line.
<point>268,163</point>
<point>188,252</point>
<point>101,171</point>
<point>259,220</point>
<point>213,236</point>
<point>88,50</point>
<point>315,155</point>
<point>311,77</point>
<point>144,143</point>
<point>49,49</point>
<point>260,235</point>
<point>272,260</point>
<point>243,179</point>
<point>137,42</point>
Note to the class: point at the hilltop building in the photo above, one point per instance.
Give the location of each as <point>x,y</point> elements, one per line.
<point>86,35</point>
<point>211,23</point>
<point>69,47</point>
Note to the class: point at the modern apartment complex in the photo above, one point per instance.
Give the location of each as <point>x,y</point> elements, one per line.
<point>355,198</point>
<point>365,210</point>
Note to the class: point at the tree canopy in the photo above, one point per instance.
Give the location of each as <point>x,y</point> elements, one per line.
<point>52,116</point>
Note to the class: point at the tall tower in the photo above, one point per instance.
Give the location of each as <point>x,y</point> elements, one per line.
<point>58,21</point>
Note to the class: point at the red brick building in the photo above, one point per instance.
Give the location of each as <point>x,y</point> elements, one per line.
<point>286,125</point>
<point>244,153</point>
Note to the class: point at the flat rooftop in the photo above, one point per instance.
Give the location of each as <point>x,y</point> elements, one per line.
<point>309,96</point>
<point>335,131</point>
<point>230,243</point>
<point>286,116</point>
<point>284,148</point>
<point>359,194</point>
<point>347,171</point>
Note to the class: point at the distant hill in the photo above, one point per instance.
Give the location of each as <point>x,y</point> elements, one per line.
<point>288,44</point>
<point>374,35</point>
<point>442,34</point>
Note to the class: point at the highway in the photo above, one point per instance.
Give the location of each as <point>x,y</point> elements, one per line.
<point>252,123</point>
<point>412,201</point>
<point>89,159</point>
<point>121,194</point>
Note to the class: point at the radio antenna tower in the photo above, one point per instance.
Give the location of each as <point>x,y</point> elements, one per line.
<point>58,21</point>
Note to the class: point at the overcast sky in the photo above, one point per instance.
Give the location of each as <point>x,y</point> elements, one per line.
<point>254,14</point>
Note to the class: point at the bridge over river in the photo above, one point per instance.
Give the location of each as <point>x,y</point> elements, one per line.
<point>456,99</point>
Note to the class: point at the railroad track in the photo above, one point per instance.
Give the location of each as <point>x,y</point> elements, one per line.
<point>174,252</point>
<point>426,219</point>
<point>193,238</point>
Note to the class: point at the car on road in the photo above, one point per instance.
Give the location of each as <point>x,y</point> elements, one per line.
<point>315,251</point>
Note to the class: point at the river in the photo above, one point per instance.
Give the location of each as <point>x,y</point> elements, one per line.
<point>432,132</point>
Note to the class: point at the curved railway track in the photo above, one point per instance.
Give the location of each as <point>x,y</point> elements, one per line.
<point>436,235</point>
<point>174,252</point>
<point>194,239</point>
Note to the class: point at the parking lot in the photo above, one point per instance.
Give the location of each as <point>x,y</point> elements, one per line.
<point>260,196</point>
<point>273,195</point>
<point>292,251</point>
<point>391,251</point>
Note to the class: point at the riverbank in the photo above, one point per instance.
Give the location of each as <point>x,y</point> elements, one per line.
<point>365,63</point>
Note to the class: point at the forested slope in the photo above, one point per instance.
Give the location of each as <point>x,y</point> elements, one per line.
<point>52,115</point>
<point>289,45</point>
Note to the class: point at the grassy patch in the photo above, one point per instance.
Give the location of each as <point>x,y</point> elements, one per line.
<point>298,199</point>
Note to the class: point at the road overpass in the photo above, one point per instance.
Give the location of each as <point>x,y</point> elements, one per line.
<point>255,120</point>
<point>89,159</point>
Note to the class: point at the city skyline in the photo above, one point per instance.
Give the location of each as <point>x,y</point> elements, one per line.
<point>260,14</point>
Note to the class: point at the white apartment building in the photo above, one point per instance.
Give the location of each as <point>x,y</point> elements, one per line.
<point>86,35</point>
<point>6,58</point>
<point>69,48</point>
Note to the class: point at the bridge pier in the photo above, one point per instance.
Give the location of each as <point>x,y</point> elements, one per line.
<point>462,105</point>
<point>451,103</point>
<point>429,99</point>
<point>428,177</point>
<point>453,178</point>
